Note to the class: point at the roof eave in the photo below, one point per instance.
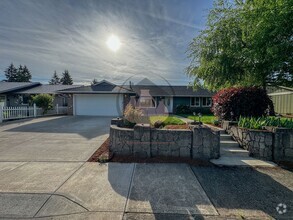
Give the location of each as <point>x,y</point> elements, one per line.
<point>93,92</point>
<point>20,88</point>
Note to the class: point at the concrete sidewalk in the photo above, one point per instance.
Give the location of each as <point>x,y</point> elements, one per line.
<point>56,190</point>
<point>44,175</point>
<point>99,191</point>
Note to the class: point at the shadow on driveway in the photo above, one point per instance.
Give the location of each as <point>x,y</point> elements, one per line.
<point>247,191</point>
<point>162,191</point>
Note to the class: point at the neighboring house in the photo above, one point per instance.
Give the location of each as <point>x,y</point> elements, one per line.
<point>108,99</point>
<point>59,98</point>
<point>282,98</point>
<point>14,94</point>
<point>7,98</point>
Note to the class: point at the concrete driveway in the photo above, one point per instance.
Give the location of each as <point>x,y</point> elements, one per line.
<point>44,175</point>
<point>60,139</point>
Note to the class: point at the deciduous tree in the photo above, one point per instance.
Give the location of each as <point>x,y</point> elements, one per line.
<point>245,43</point>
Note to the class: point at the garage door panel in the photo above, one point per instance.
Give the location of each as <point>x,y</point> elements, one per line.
<point>98,105</point>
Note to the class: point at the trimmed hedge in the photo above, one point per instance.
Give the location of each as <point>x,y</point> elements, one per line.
<point>231,103</point>
<point>183,109</point>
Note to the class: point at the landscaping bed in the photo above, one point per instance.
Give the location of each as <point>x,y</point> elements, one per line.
<point>184,126</point>
<point>102,154</point>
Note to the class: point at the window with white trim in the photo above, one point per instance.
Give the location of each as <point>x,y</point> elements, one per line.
<point>194,101</point>
<point>206,102</point>
<point>2,100</point>
<point>146,102</point>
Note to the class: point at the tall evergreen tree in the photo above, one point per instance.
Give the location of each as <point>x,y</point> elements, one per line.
<point>95,81</point>
<point>66,78</point>
<point>26,75</point>
<point>55,79</point>
<point>10,73</point>
<point>23,74</point>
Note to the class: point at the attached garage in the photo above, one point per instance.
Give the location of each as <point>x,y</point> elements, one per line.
<point>101,99</point>
<point>98,104</point>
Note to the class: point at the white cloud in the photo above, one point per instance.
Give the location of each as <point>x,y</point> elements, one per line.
<point>58,35</point>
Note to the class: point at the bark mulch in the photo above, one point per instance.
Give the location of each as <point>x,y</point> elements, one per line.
<point>103,155</point>
<point>288,165</point>
<point>185,126</point>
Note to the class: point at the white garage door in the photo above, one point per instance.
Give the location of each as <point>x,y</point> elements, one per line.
<point>98,104</point>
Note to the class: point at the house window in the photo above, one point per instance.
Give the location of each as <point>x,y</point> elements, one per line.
<point>206,102</point>
<point>194,101</point>
<point>2,100</point>
<point>147,102</point>
<point>25,100</point>
<point>64,101</point>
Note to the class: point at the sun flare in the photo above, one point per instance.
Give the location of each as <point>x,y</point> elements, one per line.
<point>113,43</point>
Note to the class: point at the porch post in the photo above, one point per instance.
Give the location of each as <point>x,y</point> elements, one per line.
<point>35,110</point>
<point>1,113</point>
<point>57,110</point>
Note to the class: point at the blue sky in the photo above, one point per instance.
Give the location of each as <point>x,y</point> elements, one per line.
<point>50,35</point>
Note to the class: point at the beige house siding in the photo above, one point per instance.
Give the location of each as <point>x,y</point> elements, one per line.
<point>282,99</point>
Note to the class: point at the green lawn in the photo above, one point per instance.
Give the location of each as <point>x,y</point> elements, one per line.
<point>208,119</point>
<point>167,120</point>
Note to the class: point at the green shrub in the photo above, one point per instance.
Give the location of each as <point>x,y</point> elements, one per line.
<point>158,124</point>
<point>183,109</point>
<point>259,123</point>
<point>202,110</point>
<point>44,101</point>
<point>216,122</point>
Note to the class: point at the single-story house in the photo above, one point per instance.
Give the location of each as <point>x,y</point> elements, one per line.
<point>282,98</point>
<point>108,99</point>
<point>14,94</point>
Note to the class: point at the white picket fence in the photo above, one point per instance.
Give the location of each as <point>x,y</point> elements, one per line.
<point>7,113</point>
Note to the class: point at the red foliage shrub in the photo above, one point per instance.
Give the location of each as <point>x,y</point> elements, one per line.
<point>231,103</point>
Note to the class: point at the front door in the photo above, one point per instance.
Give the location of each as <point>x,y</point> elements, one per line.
<point>168,102</point>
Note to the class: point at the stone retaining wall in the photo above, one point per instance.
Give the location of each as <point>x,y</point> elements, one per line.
<point>258,143</point>
<point>144,141</point>
<point>206,143</point>
<point>121,140</point>
<point>283,144</point>
<point>272,144</point>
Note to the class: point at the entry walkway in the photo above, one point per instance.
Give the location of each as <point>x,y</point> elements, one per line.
<point>233,155</point>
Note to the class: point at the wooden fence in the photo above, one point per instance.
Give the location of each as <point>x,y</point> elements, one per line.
<point>8,113</point>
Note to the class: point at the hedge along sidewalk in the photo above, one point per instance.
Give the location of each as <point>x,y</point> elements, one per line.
<point>143,141</point>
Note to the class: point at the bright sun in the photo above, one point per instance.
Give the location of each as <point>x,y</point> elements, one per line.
<point>113,43</point>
